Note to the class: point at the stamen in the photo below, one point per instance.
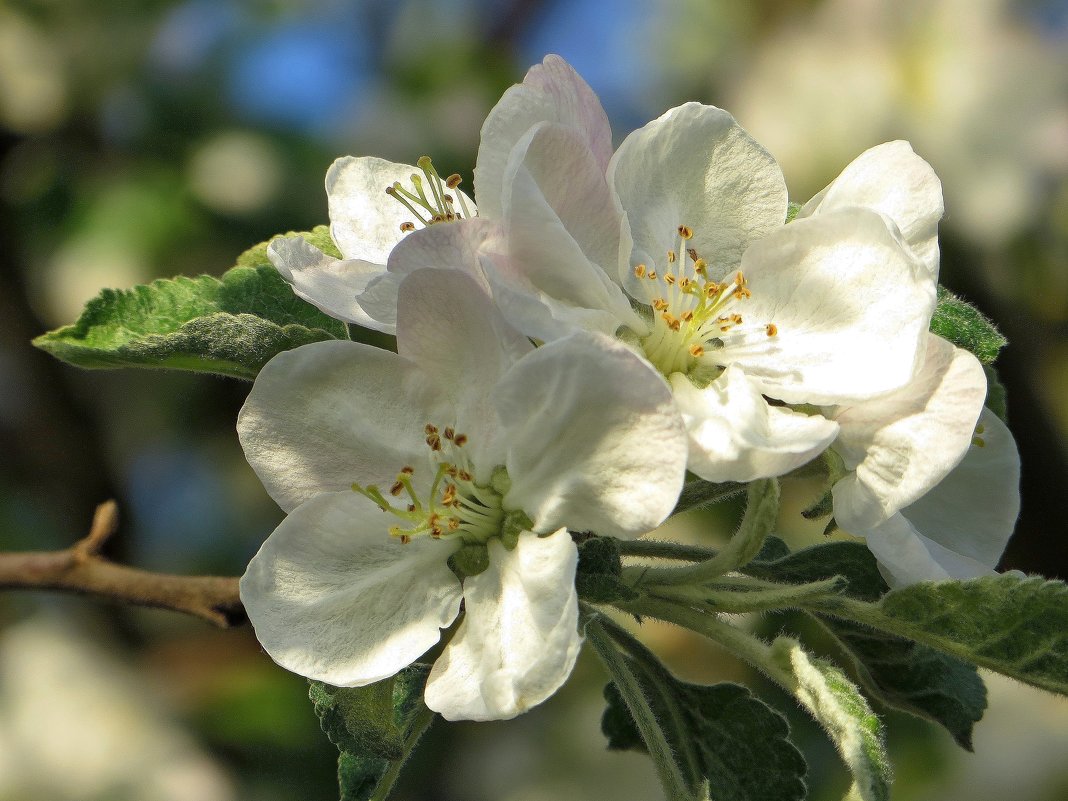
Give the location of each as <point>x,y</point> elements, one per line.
<point>671,257</point>
<point>771,329</point>
<point>639,271</point>
<point>685,231</point>
<point>407,227</point>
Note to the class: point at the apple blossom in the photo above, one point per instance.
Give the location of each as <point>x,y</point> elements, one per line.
<point>468,452</point>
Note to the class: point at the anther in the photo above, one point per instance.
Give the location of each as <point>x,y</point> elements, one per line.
<point>671,321</point>
<point>406,227</point>
<point>692,253</point>
<point>669,279</point>
<point>686,316</point>
<point>434,441</point>
<point>771,329</point>
<point>696,351</point>
<point>449,433</point>
<point>671,256</point>
<point>639,271</point>
<point>453,180</point>
<point>407,470</point>
<point>397,488</point>
<point>700,266</point>
<point>659,304</point>
<point>430,428</point>
<point>459,440</point>
<point>686,232</point>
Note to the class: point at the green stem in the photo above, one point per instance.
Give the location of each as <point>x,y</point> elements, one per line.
<point>419,726</point>
<point>700,493</point>
<point>659,549</point>
<point>760,515</point>
<point>630,689</point>
<point>730,600</point>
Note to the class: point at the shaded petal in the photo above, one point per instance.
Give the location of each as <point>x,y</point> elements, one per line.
<point>736,436</point>
<point>892,180</point>
<point>329,284</point>
<point>563,229</point>
<point>696,166</point>
<point>454,246</point>
<point>851,303</point>
<point>901,445</point>
<point>449,327</point>
<point>334,597</point>
<point>973,511</point>
<point>905,556</point>
<point>551,92</point>
<point>325,415</point>
<point>365,221</point>
<point>519,637</point>
<point>595,441</point>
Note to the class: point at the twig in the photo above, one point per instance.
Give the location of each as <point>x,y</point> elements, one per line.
<point>80,569</point>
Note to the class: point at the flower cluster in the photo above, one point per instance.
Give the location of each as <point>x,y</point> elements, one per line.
<point>589,327</point>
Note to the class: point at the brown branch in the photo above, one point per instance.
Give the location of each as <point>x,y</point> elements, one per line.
<point>80,569</point>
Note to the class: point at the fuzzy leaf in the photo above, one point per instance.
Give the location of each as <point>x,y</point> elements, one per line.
<point>230,325</point>
<point>372,726</point>
<point>908,676</point>
<point>599,570</point>
<point>851,560</point>
<point>728,740</point>
<point>966,327</point>
<point>837,705</point>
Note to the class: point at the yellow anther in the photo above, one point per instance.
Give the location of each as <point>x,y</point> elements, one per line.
<point>397,488</point>
<point>434,441</point>
<point>659,304</point>
<point>692,253</point>
<point>405,539</point>
<point>700,266</point>
<point>672,321</point>
<point>696,351</point>
<point>406,227</point>
<point>736,319</point>
<point>669,279</point>
<point>430,428</point>
<point>771,329</point>
<point>651,275</point>
<point>686,316</point>
<point>459,440</point>
<point>449,433</point>
<point>671,256</point>
<point>639,270</point>
<point>453,180</point>
<point>686,232</point>
<point>712,289</point>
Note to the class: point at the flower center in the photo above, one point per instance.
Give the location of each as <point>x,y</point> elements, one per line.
<point>439,206</point>
<point>456,506</point>
<point>693,315</point>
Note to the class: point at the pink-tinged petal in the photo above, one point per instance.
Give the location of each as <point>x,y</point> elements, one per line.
<point>595,442</point>
<point>365,222</point>
<point>551,92</point>
<point>892,180</point>
<point>519,637</point>
<point>563,234</point>
<point>329,284</point>
<point>902,445</point>
<point>851,305</point>
<point>325,415</point>
<point>449,327</point>
<point>695,166</point>
<point>332,596</point>
<point>736,436</point>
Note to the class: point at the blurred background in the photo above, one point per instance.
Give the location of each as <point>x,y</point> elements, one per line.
<point>161,138</point>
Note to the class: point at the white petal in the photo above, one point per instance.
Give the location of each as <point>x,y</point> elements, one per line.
<point>325,415</point>
<point>696,166</point>
<point>449,327</point>
<point>334,597</point>
<point>365,221</point>
<point>904,555</point>
<point>551,92</point>
<point>519,637</point>
<point>973,511</point>
<point>851,305</point>
<point>894,181</point>
<point>329,284</point>
<point>595,441</point>
<point>901,445</point>
<point>453,246</point>
<point>736,436</point>
<point>563,227</point>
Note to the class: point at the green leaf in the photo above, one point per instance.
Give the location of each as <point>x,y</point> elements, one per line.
<point>721,740</point>
<point>852,560</point>
<point>966,327</point>
<point>597,579</point>
<point>699,493</point>
<point>375,727</point>
<point>914,678</point>
<point>1016,626</point>
<point>837,705</point>
<point>730,739</point>
<point>230,326</point>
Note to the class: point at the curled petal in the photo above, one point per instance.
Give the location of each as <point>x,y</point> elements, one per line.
<point>519,637</point>
<point>736,436</point>
<point>333,597</point>
<point>851,305</point>
<point>902,445</point>
<point>329,284</point>
<point>595,442</point>
<point>695,166</point>
<point>892,180</point>
<point>325,415</point>
<point>551,92</point>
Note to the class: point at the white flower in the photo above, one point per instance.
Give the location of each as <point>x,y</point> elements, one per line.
<point>466,444</point>
<point>681,249</point>
<point>933,492</point>
<point>372,203</point>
